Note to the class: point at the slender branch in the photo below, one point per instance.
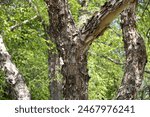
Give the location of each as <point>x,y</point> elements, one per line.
<point>112,60</point>
<point>12,28</point>
<point>45,26</point>
<point>148,34</point>
<point>146,71</point>
<point>145,7</point>
<point>36,10</point>
<point>119,63</point>
<point>37,16</point>
<point>2,2</point>
<point>108,58</point>
<point>117,33</point>
<point>33,6</point>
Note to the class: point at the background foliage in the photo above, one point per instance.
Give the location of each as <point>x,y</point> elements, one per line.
<point>27,46</point>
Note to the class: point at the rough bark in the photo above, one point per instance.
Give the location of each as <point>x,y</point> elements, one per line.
<point>66,37</point>
<point>55,86</point>
<point>73,43</point>
<point>135,55</point>
<point>13,77</point>
<point>99,22</point>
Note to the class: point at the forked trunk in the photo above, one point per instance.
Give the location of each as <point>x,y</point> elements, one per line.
<point>73,43</point>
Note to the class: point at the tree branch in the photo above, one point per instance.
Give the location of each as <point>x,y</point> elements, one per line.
<point>148,34</point>
<point>12,28</point>
<point>146,71</point>
<point>112,60</point>
<point>136,57</point>
<point>45,26</point>
<point>37,16</point>
<point>108,58</point>
<point>99,22</point>
<point>13,77</point>
<point>119,63</point>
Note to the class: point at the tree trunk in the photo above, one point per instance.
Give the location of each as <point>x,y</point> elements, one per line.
<point>55,86</point>
<point>73,44</point>
<point>13,77</point>
<point>135,55</point>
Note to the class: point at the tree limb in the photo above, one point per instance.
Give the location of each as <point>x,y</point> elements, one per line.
<point>136,57</point>
<point>146,71</point>
<point>99,22</point>
<point>112,60</point>
<point>37,16</point>
<point>12,28</point>
<point>108,58</point>
<point>13,77</point>
<point>117,62</point>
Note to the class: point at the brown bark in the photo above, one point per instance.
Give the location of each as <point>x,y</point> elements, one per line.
<point>55,85</point>
<point>99,22</point>
<point>13,77</point>
<point>135,55</point>
<point>73,43</point>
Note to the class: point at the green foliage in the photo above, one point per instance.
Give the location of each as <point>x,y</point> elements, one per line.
<point>75,7</point>
<point>105,74</point>
<point>143,16</point>
<point>28,48</point>
<point>94,5</point>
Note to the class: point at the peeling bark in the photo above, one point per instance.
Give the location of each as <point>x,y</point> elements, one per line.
<point>66,36</point>
<point>136,57</point>
<point>13,77</point>
<point>99,22</point>
<point>73,43</point>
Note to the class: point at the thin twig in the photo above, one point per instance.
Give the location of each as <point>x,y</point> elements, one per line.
<point>12,28</point>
